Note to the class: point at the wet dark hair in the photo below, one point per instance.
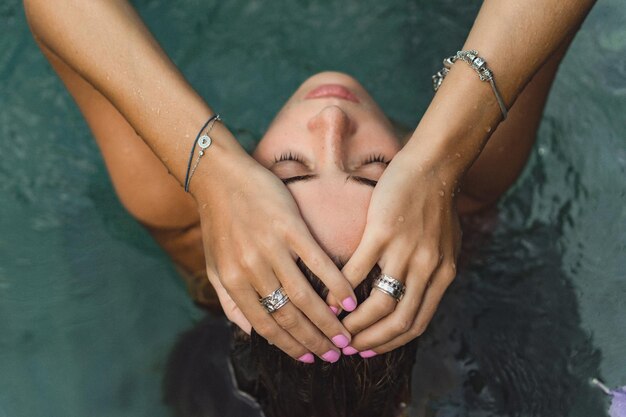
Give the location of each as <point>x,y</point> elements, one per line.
<point>351,387</point>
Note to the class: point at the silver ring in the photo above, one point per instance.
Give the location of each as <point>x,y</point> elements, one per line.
<point>275,300</point>
<point>390,286</point>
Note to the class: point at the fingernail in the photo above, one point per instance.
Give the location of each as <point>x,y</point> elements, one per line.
<point>331,356</point>
<point>349,350</point>
<point>349,304</point>
<point>307,358</point>
<point>334,309</point>
<point>368,354</point>
<point>340,341</point>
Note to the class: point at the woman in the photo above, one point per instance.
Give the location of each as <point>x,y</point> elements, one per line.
<point>124,84</point>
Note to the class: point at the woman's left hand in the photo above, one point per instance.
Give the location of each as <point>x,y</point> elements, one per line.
<point>413,233</point>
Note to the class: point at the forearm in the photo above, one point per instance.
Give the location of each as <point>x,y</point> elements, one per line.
<point>109,46</point>
<point>516,38</point>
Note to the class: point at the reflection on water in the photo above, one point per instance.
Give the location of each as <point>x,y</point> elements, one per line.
<point>510,333</point>
<point>90,308</point>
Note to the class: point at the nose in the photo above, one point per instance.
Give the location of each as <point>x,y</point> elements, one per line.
<point>332,126</point>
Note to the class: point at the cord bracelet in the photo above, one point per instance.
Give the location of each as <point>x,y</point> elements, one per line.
<point>203,141</point>
<point>479,65</point>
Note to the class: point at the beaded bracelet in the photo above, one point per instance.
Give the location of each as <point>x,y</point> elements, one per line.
<point>479,65</point>
<point>203,141</point>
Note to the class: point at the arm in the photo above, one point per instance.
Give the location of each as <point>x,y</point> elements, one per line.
<point>421,185</point>
<point>104,45</point>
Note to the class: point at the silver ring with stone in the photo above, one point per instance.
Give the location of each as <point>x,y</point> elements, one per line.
<point>390,286</point>
<point>277,299</point>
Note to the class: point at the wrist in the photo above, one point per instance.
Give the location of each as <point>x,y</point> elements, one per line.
<point>457,124</point>
<point>222,158</point>
<point>440,155</point>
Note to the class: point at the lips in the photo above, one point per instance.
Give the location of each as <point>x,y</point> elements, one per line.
<point>332,90</point>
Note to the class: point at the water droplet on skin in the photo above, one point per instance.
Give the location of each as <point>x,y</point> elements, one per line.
<point>443,182</point>
<point>204,206</point>
<point>442,193</point>
<point>488,129</point>
<point>401,219</point>
<point>457,155</point>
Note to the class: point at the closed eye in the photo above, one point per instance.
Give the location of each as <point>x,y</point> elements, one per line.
<point>362,180</point>
<point>297,178</point>
<point>354,178</point>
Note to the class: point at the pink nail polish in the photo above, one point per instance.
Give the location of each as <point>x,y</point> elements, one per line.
<point>349,304</point>
<point>349,350</point>
<point>331,356</point>
<point>368,354</point>
<point>334,309</point>
<point>340,341</point>
<point>307,358</point>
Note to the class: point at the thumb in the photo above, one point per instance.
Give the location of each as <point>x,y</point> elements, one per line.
<point>360,263</point>
<point>232,312</point>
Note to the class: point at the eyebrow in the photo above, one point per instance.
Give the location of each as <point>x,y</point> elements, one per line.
<point>354,178</point>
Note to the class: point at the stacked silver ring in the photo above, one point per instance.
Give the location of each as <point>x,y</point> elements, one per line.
<point>275,300</point>
<point>390,286</point>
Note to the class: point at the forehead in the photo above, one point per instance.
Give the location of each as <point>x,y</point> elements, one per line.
<point>335,211</point>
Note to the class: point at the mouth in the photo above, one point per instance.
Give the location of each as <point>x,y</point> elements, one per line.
<point>332,90</point>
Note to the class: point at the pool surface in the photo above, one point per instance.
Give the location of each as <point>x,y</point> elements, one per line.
<point>90,308</point>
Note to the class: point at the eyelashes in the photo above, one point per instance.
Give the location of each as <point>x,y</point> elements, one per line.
<point>288,156</point>
<point>291,156</point>
<point>376,158</point>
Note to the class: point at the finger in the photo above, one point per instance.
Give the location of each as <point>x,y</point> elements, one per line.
<point>290,318</point>
<point>379,304</point>
<point>360,264</point>
<point>363,259</point>
<point>423,267</point>
<point>300,328</point>
<point>396,323</point>
<point>325,269</point>
<point>233,313</point>
<point>425,315</point>
<point>374,308</point>
<point>248,301</point>
<point>304,297</point>
<point>427,308</point>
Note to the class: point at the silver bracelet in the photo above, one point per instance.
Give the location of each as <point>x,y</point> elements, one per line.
<point>479,65</point>
<point>203,141</point>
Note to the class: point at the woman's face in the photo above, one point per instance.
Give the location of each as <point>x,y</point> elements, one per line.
<point>330,143</point>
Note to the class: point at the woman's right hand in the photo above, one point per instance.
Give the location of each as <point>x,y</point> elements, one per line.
<point>253,234</point>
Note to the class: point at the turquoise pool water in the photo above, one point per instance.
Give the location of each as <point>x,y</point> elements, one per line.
<point>90,308</point>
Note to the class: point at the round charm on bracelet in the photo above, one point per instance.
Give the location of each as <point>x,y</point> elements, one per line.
<point>204,141</point>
